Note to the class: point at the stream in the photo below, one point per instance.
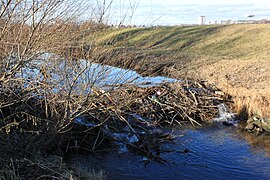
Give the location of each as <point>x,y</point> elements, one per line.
<point>214,152</point>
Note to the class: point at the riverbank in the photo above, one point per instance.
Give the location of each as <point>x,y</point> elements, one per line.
<point>128,117</point>
<point>235,58</point>
<point>54,103</point>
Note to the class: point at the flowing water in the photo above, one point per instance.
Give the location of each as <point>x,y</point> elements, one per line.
<point>211,152</point>
<point>214,152</point>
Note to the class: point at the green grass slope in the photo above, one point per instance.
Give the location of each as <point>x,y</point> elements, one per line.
<point>207,42</point>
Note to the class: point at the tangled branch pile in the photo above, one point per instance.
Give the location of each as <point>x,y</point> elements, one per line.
<point>41,111</point>
<point>172,103</point>
<point>129,115</point>
<point>134,116</point>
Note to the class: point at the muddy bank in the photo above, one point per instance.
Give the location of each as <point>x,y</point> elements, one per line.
<point>258,125</point>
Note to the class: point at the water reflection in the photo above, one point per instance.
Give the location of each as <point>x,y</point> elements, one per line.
<point>258,143</point>
<point>215,152</point>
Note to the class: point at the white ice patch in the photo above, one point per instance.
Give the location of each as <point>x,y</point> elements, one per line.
<point>124,139</point>
<point>80,76</point>
<point>133,139</point>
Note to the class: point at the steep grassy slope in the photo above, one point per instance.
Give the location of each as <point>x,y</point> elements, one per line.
<point>235,57</point>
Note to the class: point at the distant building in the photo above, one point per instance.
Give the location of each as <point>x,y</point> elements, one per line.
<point>264,21</point>
<point>244,21</point>
<point>201,20</point>
<point>227,22</point>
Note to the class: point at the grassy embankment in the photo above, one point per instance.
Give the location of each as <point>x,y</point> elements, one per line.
<point>235,58</point>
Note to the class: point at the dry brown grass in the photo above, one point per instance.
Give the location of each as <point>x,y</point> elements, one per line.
<point>37,113</point>
<point>235,57</point>
<point>247,81</point>
<point>256,103</point>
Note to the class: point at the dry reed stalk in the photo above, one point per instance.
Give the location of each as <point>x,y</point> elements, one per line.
<point>32,115</point>
<point>34,118</point>
<point>256,105</point>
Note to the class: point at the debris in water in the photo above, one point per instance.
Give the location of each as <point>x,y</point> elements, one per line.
<point>124,139</point>
<point>133,139</point>
<point>183,151</point>
<point>145,159</point>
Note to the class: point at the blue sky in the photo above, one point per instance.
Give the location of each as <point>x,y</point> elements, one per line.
<point>174,12</point>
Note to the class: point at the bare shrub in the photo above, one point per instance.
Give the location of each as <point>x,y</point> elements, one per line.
<point>49,80</point>
<point>38,103</point>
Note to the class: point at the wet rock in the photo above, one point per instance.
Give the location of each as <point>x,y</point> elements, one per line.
<point>263,123</point>
<point>258,125</point>
<point>184,151</point>
<point>250,127</point>
<point>228,123</point>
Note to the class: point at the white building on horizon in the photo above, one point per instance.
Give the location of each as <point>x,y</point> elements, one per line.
<point>201,20</point>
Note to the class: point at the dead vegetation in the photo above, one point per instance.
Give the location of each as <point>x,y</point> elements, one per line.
<point>45,110</point>
<point>33,127</point>
<point>247,82</point>
<point>32,115</point>
<point>233,57</point>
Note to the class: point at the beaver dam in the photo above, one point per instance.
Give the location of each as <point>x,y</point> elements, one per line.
<point>66,114</point>
<point>54,125</point>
